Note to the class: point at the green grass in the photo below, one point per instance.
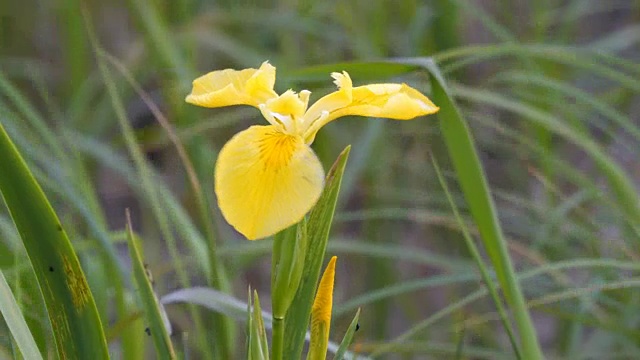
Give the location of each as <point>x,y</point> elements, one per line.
<point>537,143</point>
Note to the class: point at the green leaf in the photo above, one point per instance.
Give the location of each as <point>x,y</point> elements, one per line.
<point>318,227</point>
<point>348,337</point>
<point>153,312</point>
<point>287,264</point>
<point>77,329</point>
<point>475,254</point>
<point>627,199</point>
<point>472,180</point>
<point>218,301</point>
<point>258,344</point>
<point>249,327</point>
<point>12,315</point>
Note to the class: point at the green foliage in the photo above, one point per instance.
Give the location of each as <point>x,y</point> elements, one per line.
<point>348,337</point>
<point>11,313</point>
<point>258,346</point>
<point>317,228</point>
<point>155,315</point>
<point>73,316</point>
<point>472,179</point>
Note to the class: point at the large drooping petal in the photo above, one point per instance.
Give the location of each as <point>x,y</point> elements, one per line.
<point>233,87</point>
<point>393,101</point>
<point>266,181</point>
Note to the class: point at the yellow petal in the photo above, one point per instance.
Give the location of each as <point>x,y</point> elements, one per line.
<point>266,181</point>
<point>321,313</point>
<point>393,101</point>
<point>234,87</point>
<point>322,304</point>
<point>331,102</point>
<point>289,103</point>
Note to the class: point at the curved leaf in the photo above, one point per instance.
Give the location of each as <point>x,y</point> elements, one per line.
<point>77,329</point>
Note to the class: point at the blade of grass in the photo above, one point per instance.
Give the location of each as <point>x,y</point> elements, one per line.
<point>218,301</point>
<point>258,345</point>
<point>14,318</point>
<point>184,225</point>
<point>478,294</point>
<point>152,195</point>
<point>473,182</point>
<point>484,272</point>
<point>627,199</point>
<point>249,324</point>
<point>204,211</point>
<point>30,115</point>
<point>65,178</point>
<point>348,337</point>
<point>77,328</point>
<point>159,37</point>
<point>596,104</point>
<point>573,57</point>
<point>405,287</point>
<point>435,350</point>
<point>57,169</point>
<point>74,44</point>
<point>150,305</point>
<point>170,54</point>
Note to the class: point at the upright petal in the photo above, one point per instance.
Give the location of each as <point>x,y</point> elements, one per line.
<point>234,87</point>
<point>393,101</point>
<point>289,103</point>
<point>286,110</point>
<point>331,102</point>
<point>266,181</point>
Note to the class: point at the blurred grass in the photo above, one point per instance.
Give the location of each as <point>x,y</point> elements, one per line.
<point>549,89</point>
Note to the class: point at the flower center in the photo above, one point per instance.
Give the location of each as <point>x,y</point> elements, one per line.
<point>286,111</point>
<point>277,149</point>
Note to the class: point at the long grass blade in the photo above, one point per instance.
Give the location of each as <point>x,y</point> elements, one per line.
<point>473,249</point>
<point>14,318</point>
<point>77,328</point>
<point>228,305</point>
<point>626,197</point>
<point>348,337</point>
<point>154,314</point>
<point>478,196</point>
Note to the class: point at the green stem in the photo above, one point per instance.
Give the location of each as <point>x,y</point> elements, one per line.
<point>277,339</point>
<point>530,345</point>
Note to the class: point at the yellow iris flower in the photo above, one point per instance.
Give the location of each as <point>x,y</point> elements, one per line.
<point>267,177</point>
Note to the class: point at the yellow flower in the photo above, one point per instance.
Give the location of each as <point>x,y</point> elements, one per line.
<point>267,177</point>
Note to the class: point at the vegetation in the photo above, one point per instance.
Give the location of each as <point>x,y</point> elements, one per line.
<point>505,226</point>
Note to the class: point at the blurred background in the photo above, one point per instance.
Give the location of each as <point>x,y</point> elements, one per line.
<point>549,88</point>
